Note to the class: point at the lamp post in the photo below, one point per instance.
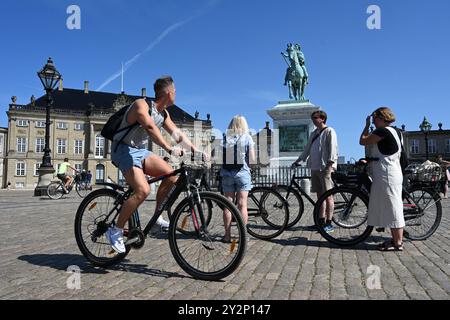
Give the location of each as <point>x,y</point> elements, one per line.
<point>49,77</point>
<point>425,127</point>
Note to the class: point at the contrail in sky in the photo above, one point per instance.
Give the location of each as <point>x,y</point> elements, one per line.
<point>155,42</point>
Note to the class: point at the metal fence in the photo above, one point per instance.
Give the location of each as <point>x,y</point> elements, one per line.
<point>262,176</point>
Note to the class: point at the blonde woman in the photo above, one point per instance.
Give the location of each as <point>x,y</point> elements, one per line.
<point>385,205</point>
<point>238,153</point>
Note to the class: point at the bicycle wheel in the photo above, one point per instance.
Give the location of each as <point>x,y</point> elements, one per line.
<point>55,190</point>
<point>81,189</point>
<point>201,251</point>
<point>294,202</point>
<point>349,216</point>
<point>268,214</point>
<point>91,227</point>
<point>423,214</point>
<point>187,223</point>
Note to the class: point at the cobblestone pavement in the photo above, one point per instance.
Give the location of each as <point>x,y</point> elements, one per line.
<point>38,245</point>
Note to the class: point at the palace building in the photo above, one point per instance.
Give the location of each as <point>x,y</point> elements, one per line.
<point>77,118</point>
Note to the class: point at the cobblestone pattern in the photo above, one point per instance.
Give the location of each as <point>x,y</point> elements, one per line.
<point>38,245</point>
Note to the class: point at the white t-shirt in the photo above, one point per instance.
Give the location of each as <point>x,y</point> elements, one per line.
<point>315,156</point>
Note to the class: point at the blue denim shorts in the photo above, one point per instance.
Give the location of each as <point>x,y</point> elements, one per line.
<point>240,182</point>
<point>126,157</point>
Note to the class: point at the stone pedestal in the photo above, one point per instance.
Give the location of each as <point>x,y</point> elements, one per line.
<point>45,178</point>
<point>292,127</point>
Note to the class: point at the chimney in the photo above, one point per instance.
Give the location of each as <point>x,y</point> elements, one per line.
<point>86,87</point>
<point>144,92</point>
<point>60,88</point>
<point>267,125</point>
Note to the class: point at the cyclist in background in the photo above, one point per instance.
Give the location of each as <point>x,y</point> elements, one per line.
<point>63,176</point>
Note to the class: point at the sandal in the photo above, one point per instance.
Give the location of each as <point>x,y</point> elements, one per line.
<point>229,241</point>
<point>389,245</point>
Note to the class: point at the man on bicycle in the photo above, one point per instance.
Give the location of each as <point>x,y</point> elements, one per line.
<point>131,156</point>
<point>63,176</point>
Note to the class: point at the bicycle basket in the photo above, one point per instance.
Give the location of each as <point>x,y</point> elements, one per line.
<point>427,172</point>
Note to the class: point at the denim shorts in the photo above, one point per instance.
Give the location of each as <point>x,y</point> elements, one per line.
<point>126,157</point>
<point>239,182</point>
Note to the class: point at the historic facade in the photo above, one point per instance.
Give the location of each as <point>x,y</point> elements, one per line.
<point>77,117</point>
<point>3,140</point>
<point>438,143</point>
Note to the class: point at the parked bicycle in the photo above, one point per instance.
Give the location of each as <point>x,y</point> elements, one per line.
<point>55,190</point>
<point>268,214</point>
<point>421,206</point>
<point>195,233</point>
<point>293,195</point>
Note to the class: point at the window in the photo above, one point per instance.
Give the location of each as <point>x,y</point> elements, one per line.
<point>20,185</point>
<point>21,145</point>
<point>40,145</point>
<point>78,166</point>
<point>414,147</point>
<point>79,127</point>
<point>22,123</point>
<point>447,146</point>
<point>61,146</point>
<point>36,169</point>
<point>121,179</point>
<point>432,146</point>
<point>99,146</point>
<point>78,147</point>
<point>20,169</point>
<point>100,173</point>
<point>161,152</point>
<point>62,125</point>
<point>1,144</point>
<point>40,124</point>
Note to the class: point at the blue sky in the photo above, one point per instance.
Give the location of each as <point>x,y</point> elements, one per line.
<point>225,55</point>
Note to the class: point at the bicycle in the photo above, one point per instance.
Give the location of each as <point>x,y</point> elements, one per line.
<point>421,203</point>
<point>262,223</point>
<point>293,194</point>
<point>195,238</point>
<point>55,190</point>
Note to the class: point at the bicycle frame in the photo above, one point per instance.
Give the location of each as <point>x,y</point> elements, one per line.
<point>294,185</point>
<point>181,185</point>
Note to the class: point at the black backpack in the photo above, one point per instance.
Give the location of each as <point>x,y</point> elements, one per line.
<point>235,165</point>
<point>112,126</point>
<point>403,156</point>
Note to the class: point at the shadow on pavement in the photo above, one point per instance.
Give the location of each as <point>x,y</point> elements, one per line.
<point>296,241</point>
<point>143,269</point>
<point>63,261</point>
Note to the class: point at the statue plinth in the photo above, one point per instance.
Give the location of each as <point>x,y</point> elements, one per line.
<point>292,127</point>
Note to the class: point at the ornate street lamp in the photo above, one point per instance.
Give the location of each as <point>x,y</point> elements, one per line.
<point>425,127</point>
<point>49,77</point>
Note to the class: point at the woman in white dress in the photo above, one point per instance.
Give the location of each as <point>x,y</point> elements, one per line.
<point>385,205</point>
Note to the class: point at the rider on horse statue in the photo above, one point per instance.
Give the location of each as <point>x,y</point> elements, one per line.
<point>296,74</point>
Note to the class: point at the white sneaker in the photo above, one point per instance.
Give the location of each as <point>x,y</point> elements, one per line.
<point>162,223</point>
<point>115,238</point>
